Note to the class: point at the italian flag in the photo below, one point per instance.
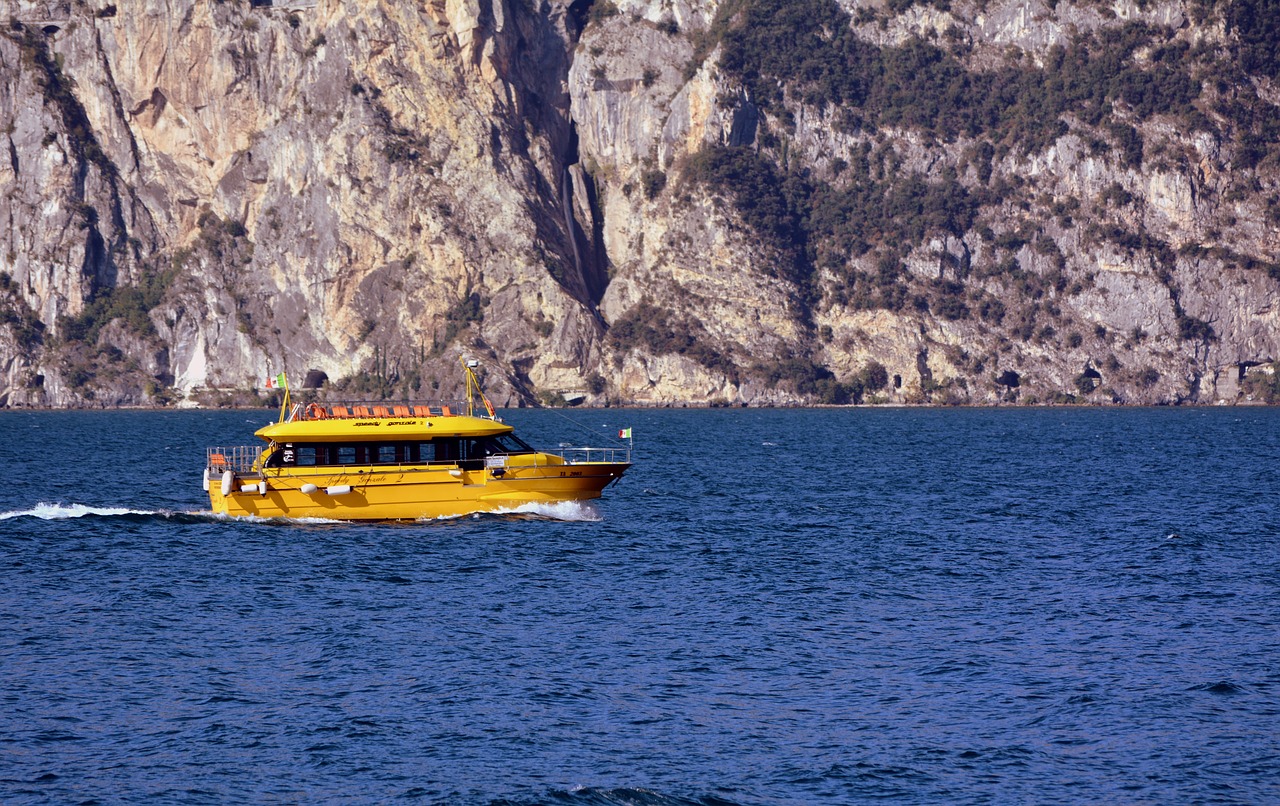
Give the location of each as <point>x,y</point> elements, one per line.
<point>275,382</point>
<point>624,433</point>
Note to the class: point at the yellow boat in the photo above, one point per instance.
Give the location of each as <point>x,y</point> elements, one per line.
<point>399,461</point>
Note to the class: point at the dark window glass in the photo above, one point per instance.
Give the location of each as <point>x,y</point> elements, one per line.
<point>509,443</point>
<point>387,455</point>
<point>346,455</point>
<point>305,455</point>
<point>472,457</point>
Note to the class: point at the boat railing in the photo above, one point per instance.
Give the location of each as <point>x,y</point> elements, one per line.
<point>237,458</point>
<point>379,409</point>
<point>244,458</point>
<point>576,456</point>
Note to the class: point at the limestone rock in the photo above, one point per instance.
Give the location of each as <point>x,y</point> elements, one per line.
<point>198,194</point>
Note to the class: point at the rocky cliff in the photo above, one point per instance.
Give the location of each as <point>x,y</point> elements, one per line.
<point>649,201</point>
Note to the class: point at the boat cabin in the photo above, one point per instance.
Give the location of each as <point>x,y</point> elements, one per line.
<point>466,452</point>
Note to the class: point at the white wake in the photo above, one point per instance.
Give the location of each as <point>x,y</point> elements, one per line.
<point>559,510</point>
<point>581,511</point>
<point>57,512</point>
<point>573,511</point>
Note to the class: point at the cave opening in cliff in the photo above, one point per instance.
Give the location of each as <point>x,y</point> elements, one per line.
<point>577,17</point>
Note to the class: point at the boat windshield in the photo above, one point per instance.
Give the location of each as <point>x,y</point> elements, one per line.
<point>508,443</point>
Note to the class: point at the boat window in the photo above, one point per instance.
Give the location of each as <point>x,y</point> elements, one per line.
<point>288,455</point>
<point>279,456</point>
<point>421,452</point>
<point>508,443</point>
<point>449,449</point>
<point>305,455</point>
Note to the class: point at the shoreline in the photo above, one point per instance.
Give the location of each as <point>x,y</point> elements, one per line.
<point>634,406</point>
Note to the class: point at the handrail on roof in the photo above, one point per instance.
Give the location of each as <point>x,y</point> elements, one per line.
<point>383,409</point>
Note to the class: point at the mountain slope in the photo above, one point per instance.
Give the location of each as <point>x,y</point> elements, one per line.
<point>760,201</point>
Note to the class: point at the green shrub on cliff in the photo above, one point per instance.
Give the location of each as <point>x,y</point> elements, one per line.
<point>1256,24</point>
<point>807,51</point>
<point>26,327</point>
<point>1264,384</point>
<point>812,380</point>
<point>812,223</point>
<point>658,331</point>
<point>131,304</point>
<point>874,376</point>
<point>757,189</point>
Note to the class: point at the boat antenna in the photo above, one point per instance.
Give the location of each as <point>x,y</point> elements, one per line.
<point>473,389</point>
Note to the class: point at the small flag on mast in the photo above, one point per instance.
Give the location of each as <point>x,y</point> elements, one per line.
<point>275,382</point>
<point>624,433</point>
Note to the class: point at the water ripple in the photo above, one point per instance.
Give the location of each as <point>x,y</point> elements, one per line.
<point>923,606</point>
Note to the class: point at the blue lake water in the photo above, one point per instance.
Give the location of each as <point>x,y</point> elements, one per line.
<point>773,607</point>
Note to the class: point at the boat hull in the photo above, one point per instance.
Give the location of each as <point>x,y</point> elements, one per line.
<point>377,494</point>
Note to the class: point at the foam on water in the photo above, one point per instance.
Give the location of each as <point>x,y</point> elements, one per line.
<point>219,516</point>
<point>54,512</point>
<point>573,511</point>
<point>46,511</point>
<point>570,511</point>
<point>559,511</point>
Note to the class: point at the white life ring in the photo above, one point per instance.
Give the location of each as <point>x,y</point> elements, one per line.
<point>228,482</point>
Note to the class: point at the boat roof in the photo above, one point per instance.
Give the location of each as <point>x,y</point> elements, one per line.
<point>380,429</point>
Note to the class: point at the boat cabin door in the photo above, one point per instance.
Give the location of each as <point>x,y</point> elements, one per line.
<point>471,460</point>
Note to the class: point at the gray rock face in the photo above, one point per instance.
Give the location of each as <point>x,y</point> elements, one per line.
<point>309,186</point>
<point>197,194</point>
<point>1117,306</point>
